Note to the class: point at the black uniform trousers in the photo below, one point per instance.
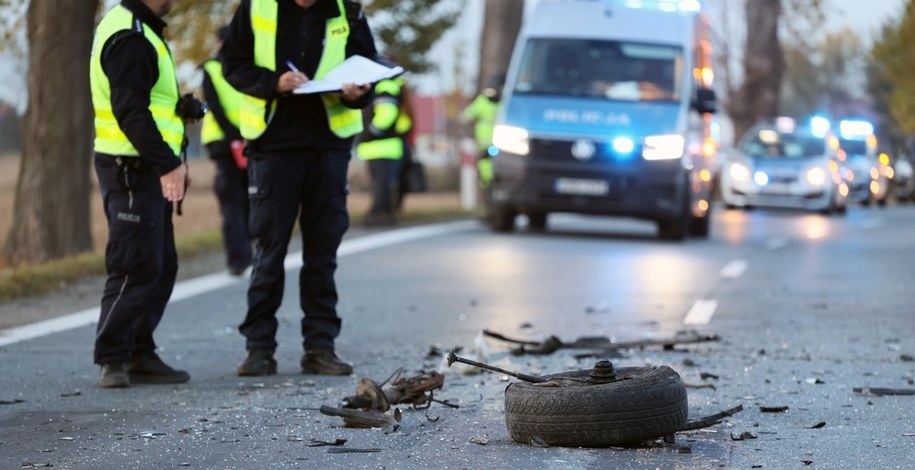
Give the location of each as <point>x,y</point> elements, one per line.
<point>140,258</point>
<point>308,185</point>
<point>231,187</point>
<point>385,173</point>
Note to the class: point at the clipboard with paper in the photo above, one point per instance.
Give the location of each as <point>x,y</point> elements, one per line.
<point>355,69</point>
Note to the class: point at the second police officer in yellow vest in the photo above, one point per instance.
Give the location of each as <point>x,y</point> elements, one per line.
<point>298,149</point>
<point>384,148</point>
<point>223,140</point>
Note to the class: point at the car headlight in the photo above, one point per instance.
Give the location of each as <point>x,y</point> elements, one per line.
<point>739,172</point>
<point>663,147</point>
<point>815,176</point>
<point>511,139</point>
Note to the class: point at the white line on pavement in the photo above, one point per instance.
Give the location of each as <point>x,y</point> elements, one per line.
<point>200,285</point>
<point>776,243</point>
<point>701,312</point>
<point>734,269</point>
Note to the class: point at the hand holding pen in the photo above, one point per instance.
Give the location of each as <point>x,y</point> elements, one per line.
<point>291,79</point>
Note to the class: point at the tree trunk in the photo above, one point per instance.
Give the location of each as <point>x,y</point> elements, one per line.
<point>764,64</point>
<point>501,23</point>
<point>51,209</point>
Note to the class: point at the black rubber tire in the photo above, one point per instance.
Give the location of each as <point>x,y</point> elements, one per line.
<point>701,226</point>
<point>502,218</point>
<point>536,221</point>
<point>645,403</point>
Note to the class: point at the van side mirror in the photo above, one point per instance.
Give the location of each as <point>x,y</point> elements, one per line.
<point>705,102</point>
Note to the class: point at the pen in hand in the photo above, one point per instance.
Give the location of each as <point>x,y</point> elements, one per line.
<point>292,79</point>
<point>293,67</point>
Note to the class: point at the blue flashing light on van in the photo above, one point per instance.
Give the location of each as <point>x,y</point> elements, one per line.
<point>608,110</point>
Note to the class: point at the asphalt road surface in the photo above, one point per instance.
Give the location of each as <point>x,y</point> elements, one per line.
<point>809,308</point>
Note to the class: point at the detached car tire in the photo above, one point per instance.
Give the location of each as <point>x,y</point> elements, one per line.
<point>643,403</point>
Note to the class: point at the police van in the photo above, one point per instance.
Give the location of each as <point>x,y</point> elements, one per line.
<point>608,110</point>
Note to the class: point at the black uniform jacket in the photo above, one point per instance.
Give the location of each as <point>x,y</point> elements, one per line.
<point>300,120</point>
<point>131,65</point>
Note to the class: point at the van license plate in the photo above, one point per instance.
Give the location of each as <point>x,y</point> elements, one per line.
<point>582,187</point>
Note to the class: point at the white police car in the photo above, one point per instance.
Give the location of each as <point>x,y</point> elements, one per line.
<point>781,164</point>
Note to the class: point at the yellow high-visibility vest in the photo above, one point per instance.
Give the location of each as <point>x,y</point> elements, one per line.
<point>256,113</point>
<point>163,98</point>
<point>387,119</point>
<point>229,101</point>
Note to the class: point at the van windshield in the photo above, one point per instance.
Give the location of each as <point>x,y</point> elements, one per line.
<point>611,70</point>
<point>853,147</point>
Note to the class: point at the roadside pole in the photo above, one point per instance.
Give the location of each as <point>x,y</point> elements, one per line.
<point>468,181</point>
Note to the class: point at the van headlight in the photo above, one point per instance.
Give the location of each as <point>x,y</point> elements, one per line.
<point>663,147</point>
<point>739,172</point>
<point>816,176</point>
<point>511,139</point>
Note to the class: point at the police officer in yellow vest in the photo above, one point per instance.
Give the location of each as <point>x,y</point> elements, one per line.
<point>220,134</point>
<point>138,139</point>
<point>382,145</point>
<point>482,113</point>
<point>298,147</point>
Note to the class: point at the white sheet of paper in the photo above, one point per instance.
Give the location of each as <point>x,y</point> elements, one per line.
<point>356,69</point>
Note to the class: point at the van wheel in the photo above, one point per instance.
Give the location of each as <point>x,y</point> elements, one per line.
<point>502,218</point>
<point>699,227</point>
<point>672,229</point>
<point>536,221</point>
<point>642,404</point>
<point>676,228</point>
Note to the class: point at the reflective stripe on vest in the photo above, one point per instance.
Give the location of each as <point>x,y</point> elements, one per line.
<point>390,148</point>
<point>256,113</point>
<point>384,142</point>
<point>163,98</point>
<point>229,101</point>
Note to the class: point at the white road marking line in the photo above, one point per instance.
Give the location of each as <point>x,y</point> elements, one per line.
<point>201,285</point>
<point>701,312</point>
<point>734,269</point>
<point>776,243</point>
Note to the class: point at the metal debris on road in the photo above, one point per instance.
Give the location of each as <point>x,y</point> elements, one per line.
<point>773,409</point>
<point>711,420</point>
<point>452,358</point>
<point>351,450</point>
<point>820,425</point>
<point>553,343</point>
<point>880,392</point>
<point>416,391</point>
<point>320,443</point>
<point>479,440</point>
<point>364,419</point>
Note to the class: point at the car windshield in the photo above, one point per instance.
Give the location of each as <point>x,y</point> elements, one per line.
<point>606,69</point>
<point>853,147</point>
<point>770,144</point>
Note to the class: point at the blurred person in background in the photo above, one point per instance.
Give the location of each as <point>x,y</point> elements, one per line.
<point>383,145</point>
<point>482,112</point>
<point>224,143</point>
